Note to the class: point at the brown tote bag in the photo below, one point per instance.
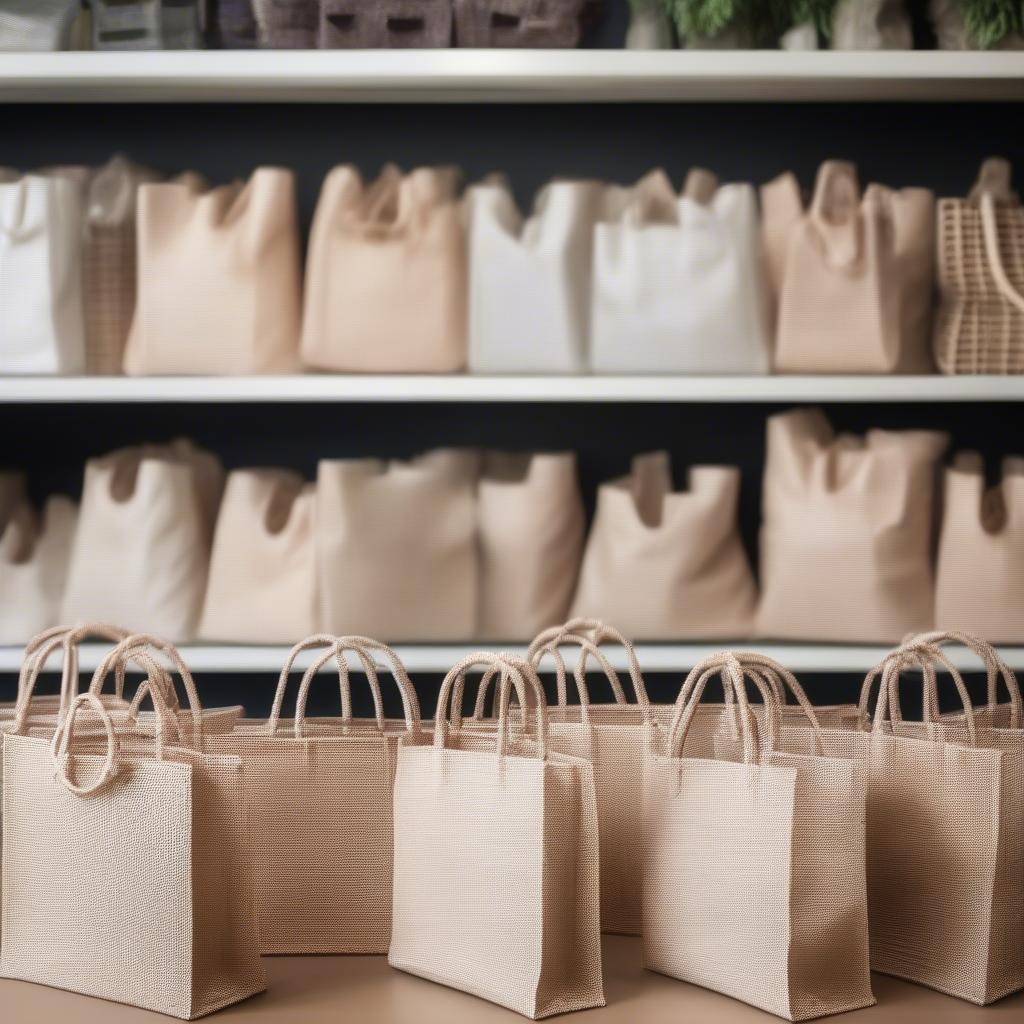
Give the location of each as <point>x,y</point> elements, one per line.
<point>496,859</point>
<point>754,870</point>
<point>320,811</point>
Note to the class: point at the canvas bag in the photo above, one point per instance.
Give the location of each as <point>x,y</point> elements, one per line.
<point>386,274</point>
<point>677,283</point>
<point>846,534</point>
<point>496,859</point>
<point>287,24</point>
<point>852,274</point>
<point>385,24</point>
<point>396,546</point>
<point>665,565</point>
<point>979,324</point>
<point>41,306</point>
<point>531,524</point>
<point>262,581</point>
<point>38,25</point>
<point>546,257</point>
<point>523,23</point>
<point>754,870</point>
<point>142,546</point>
<point>183,943</point>
<point>871,25</point>
<point>218,278</point>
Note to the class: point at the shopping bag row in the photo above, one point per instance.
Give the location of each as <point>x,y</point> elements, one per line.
<point>807,842</point>
<point>109,270</point>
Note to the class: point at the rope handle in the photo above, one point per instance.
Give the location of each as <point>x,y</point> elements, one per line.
<point>60,746</point>
<point>990,231</point>
<point>315,640</point>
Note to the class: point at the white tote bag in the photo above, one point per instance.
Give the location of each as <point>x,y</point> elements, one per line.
<point>529,279</point>
<point>38,25</point>
<point>42,320</point>
<point>677,283</point>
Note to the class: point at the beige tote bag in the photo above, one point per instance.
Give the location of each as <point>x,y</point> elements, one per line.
<point>396,546</point>
<point>219,280</point>
<point>846,534</point>
<point>852,275</point>
<point>496,860</point>
<point>531,523</point>
<point>979,580</point>
<point>262,580</point>
<point>666,565</point>
<point>142,547</point>
<point>386,274</point>
<point>754,871</point>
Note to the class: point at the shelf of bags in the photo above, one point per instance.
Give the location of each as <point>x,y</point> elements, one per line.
<point>468,388</point>
<point>509,75</point>
<point>438,658</point>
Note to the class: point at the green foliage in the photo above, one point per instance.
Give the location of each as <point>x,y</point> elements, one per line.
<point>708,18</point>
<point>762,21</point>
<point>989,21</point>
<point>819,12</point>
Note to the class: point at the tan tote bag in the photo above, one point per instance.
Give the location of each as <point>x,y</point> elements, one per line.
<point>754,870</point>
<point>496,860</point>
<point>979,580</point>
<point>386,274</point>
<point>162,919</point>
<point>218,278</point>
<point>531,525</point>
<point>846,533</point>
<point>979,325</point>
<point>664,564</point>
<point>852,274</point>
<point>262,580</point>
<point>396,547</point>
<point>142,548</point>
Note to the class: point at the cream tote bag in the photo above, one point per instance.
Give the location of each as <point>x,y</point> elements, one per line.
<point>41,307</point>
<point>386,274</point>
<point>496,860</point>
<point>544,259</point>
<point>262,580</point>
<point>666,565</point>
<point>852,274</point>
<point>846,533</point>
<point>34,555</point>
<point>754,880</point>
<point>218,278</point>
<point>396,547</point>
<point>320,812</point>
<point>38,25</point>
<point>142,547</point>
<point>531,525</point>
<point>871,25</point>
<point>677,282</point>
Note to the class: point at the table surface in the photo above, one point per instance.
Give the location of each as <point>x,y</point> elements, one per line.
<point>366,990</point>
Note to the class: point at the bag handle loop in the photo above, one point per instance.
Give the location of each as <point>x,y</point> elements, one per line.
<point>60,745</point>
<point>990,231</point>
<point>315,640</point>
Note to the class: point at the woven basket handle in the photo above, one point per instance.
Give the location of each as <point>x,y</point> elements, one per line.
<point>316,640</point>
<point>990,230</point>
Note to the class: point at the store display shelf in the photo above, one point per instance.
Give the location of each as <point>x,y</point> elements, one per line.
<point>509,75</point>
<point>466,388</point>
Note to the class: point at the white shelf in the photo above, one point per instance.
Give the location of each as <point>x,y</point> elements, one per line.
<point>440,657</point>
<point>508,75</point>
<point>464,388</point>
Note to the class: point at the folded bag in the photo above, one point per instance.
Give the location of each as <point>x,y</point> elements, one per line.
<point>38,25</point>
<point>261,586</point>
<point>218,278</point>
<point>846,534</point>
<point>386,274</point>
<point>385,24</point>
<point>496,859</point>
<point>666,565</point>
<point>546,257</point>
<point>852,274</point>
<point>677,284</point>
<point>523,23</point>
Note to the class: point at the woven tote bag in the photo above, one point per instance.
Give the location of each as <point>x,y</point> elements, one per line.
<point>396,546</point>
<point>546,257</point>
<point>218,278</point>
<point>754,868</point>
<point>852,274</point>
<point>38,25</point>
<point>531,526</point>
<point>664,564</point>
<point>496,859</point>
<point>386,274</point>
<point>846,533</point>
<point>979,325</point>
<point>142,546</point>
<point>535,24</point>
<point>677,282</point>
<point>385,24</point>
<point>320,813</point>
<point>287,24</point>
<point>41,307</point>
<point>262,581</point>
